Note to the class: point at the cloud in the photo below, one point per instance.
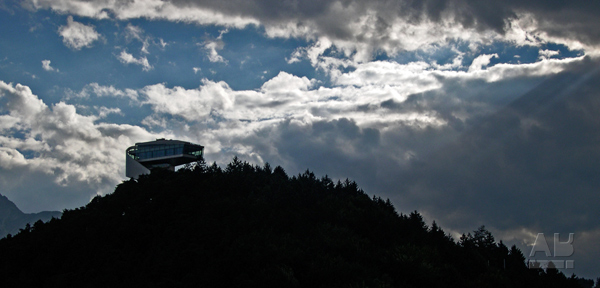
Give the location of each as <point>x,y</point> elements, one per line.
<point>282,96</point>
<point>134,32</point>
<point>21,102</point>
<point>77,35</point>
<point>46,66</point>
<point>212,47</point>
<point>192,104</point>
<point>105,91</point>
<point>370,95</point>
<point>104,111</point>
<point>127,58</point>
<point>123,10</point>
<point>162,43</point>
<point>481,61</point>
<point>545,54</point>
<point>137,33</point>
<point>55,143</point>
<point>361,28</point>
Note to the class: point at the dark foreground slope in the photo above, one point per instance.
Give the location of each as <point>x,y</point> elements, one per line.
<point>247,226</point>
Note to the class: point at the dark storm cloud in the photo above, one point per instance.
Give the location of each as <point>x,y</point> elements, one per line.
<point>571,19</point>
<point>529,168</point>
<point>334,146</point>
<point>533,163</point>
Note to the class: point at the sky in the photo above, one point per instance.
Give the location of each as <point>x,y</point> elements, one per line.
<point>470,112</point>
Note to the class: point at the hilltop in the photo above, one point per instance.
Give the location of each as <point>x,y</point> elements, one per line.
<point>250,226</point>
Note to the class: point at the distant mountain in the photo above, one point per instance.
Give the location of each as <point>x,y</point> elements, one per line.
<point>12,219</point>
<point>250,226</point>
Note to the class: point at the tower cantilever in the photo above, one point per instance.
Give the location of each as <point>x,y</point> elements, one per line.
<point>166,154</point>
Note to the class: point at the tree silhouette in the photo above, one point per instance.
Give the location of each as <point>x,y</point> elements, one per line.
<point>247,225</point>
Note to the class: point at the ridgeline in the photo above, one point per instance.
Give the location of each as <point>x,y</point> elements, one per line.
<point>249,226</point>
<point>12,218</point>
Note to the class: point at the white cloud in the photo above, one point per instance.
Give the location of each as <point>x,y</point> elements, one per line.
<point>546,54</point>
<point>155,10</point>
<point>155,121</point>
<point>212,47</point>
<point>127,58</point>
<point>545,67</point>
<point>455,64</point>
<point>105,111</point>
<point>106,91</point>
<point>77,35</point>
<point>295,57</point>
<point>7,122</point>
<point>9,158</point>
<point>163,44</point>
<point>21,102</point>
<point>137,33</point>
<point>46,66</point>
<point>481,61</point>
<point>193,104</point>
<point>285,82</point>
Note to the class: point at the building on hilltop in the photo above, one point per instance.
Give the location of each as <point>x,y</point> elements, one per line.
<point>165,154</point>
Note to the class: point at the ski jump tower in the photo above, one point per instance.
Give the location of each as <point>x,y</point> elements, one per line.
<point>165,154</point>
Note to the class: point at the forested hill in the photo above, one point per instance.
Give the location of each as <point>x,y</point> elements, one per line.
<point>248,226</point>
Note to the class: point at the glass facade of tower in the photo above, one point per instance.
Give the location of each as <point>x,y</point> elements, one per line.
<point>144,152</point>
<point>163,154</point>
